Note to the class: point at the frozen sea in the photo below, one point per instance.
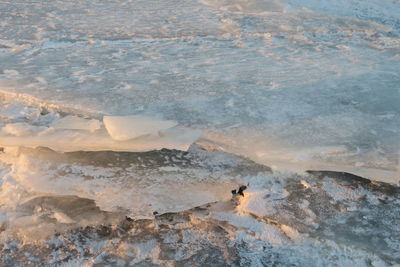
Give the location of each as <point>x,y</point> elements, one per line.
<point>128,127</point>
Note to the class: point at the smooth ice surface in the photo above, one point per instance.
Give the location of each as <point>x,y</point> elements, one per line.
<point>122,128</point>
<point>76,123</point>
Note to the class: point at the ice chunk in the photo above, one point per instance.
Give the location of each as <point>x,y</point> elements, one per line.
<point>76,123</point>
<point>71,140</point>
<point>122,128</point>
<point>20,129</point>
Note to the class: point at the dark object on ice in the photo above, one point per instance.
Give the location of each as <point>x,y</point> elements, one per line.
<point>129,219</point>
<point>44,112</point>
<point>155,213</point>
<point>239,191</point>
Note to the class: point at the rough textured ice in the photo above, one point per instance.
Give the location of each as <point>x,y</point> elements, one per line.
<point>295,85</point>
<point>319,77</point>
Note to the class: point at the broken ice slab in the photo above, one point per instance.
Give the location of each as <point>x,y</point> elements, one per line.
<point>138,184</point>
<point>122,128</point>
<point>77,123</point>
<point>75,140</point>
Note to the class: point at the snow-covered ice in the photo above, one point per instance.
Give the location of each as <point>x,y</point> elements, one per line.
<point>128,107</point>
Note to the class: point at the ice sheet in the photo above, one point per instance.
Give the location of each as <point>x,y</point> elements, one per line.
<point>295,85</point>
<point>291,78</point>
<point>139,185</point>
<point>76,123</point>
